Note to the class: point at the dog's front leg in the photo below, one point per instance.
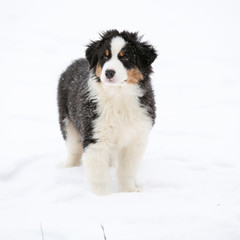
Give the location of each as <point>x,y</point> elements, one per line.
<point>129,162</point>
<point>96,168</point>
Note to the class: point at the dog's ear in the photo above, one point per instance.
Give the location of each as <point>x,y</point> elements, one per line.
<point>146,53</point>
<point>91,53</point>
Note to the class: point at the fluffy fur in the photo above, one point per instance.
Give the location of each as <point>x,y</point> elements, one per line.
<point>107,109</point>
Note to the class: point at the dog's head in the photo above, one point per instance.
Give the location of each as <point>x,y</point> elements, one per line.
<point>120,58</point>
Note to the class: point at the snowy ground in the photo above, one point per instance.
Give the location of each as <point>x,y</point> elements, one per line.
<point>190,175</point>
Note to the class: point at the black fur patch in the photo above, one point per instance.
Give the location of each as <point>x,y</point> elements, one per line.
<point>74,102</point>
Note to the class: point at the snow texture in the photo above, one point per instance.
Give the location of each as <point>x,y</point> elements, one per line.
<point>190,174</point>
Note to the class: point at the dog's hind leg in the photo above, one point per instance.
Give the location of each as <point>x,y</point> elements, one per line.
<point>74,145</point>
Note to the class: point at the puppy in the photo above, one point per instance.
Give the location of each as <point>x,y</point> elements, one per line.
<point>107,109</point>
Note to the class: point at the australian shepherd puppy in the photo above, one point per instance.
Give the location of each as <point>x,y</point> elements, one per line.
<point>107,109</point>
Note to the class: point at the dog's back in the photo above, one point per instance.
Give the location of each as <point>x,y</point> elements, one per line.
<point>74,102</point>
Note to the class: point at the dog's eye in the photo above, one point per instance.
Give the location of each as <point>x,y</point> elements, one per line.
<point>106,55</point>
<point>124,58</point>
<point>105,58</point>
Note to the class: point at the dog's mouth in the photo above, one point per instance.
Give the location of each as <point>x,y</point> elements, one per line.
<point>113,83</point>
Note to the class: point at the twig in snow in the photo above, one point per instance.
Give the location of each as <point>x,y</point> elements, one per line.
<point>103,233</point>
<point>42,231</point>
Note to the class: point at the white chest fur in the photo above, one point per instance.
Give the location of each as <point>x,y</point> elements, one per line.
<point>121,119</point>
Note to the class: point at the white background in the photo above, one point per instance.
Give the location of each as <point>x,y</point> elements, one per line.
<point>190,174</point>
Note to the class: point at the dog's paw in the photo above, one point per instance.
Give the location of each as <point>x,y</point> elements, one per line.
<point>64,165</point>
<point>100,189</point>
<point>134,189</point>
<point>130,189</point>
<point>69,164</point>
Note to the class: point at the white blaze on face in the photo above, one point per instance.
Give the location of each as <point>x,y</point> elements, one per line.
<point>115,64</point>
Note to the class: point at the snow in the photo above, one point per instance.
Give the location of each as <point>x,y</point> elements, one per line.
<point>190,174</point>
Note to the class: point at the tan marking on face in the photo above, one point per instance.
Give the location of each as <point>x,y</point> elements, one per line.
<point>134,75</point>
<point>98,70</point>
<point>107,53</point>
<point>121,54</point>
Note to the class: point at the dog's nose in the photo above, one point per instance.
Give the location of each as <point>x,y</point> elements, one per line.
<point>109,73</point>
